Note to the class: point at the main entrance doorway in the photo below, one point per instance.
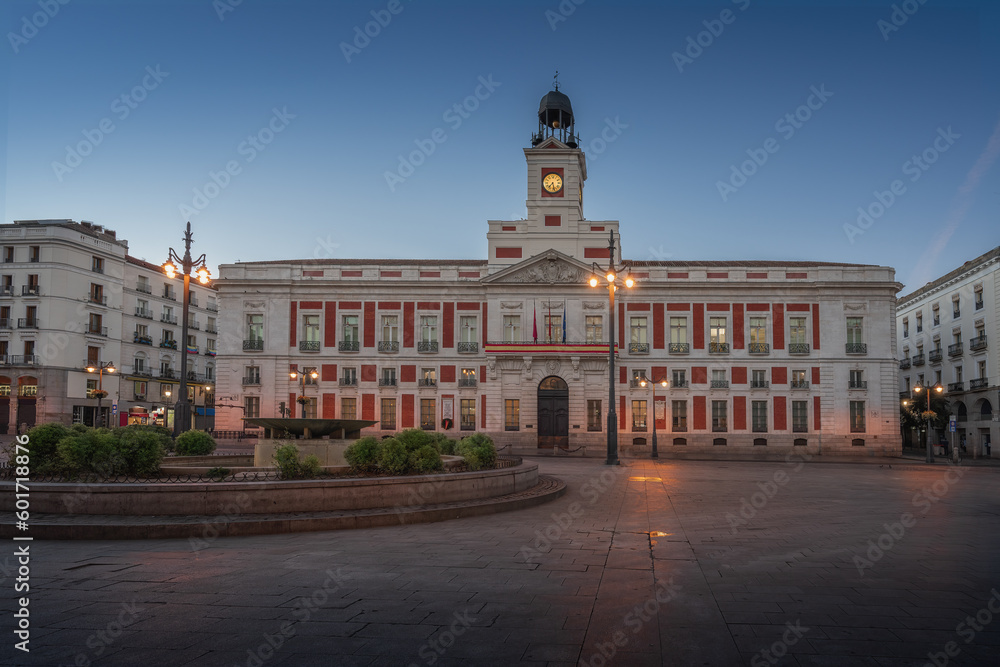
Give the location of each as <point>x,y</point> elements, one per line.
<point>553,413</point>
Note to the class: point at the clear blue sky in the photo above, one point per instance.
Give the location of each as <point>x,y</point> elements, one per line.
<point>318,189</point>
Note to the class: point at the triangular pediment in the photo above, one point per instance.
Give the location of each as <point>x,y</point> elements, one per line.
<point>551,142</point>
<point>549,267</point>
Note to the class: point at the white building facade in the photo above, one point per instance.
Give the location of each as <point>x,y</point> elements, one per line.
<point>948,334</point>
<point>72,297</point>
<point>757,355</point>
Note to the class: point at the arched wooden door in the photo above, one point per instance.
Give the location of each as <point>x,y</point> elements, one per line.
<point>553,413</point>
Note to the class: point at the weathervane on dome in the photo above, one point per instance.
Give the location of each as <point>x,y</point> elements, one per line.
<point>555,80</point>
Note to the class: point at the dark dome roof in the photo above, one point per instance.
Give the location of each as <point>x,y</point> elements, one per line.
<point>555,101</point>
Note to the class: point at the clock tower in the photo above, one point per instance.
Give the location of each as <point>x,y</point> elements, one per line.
<point>557,169</point>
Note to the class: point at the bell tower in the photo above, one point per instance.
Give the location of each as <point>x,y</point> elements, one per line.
<point>556,171</point>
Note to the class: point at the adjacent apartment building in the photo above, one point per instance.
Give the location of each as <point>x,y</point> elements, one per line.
<point>946,328</point>
<point>71,297</point>
<point>755,354</point>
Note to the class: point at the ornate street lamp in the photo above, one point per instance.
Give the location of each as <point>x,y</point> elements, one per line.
<point>184,265</point>
<point>99,368</point>
<point>312,373</point>
<point>663,383</point>
<point>613,279</point>
<point>928,388</point>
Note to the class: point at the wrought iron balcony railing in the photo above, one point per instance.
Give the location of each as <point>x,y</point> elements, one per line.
<point>427,382</point>
<point>143,312</point>
<point>212,307</point>
<point>253,344</point>
<point>858,384</point>
<point>955,350</point>
<point>169,294</point>
<point>679,348</point>
<point>145,289</point>
<point>168,319</point>
<point>20,360</point>
<point>167,373</point>
<point>426,346</point>
<point>34,290</point>
<point>309,346</point>
<point>798,348</point>
<point>856,348</point>
<point>142,340</point>
<point>347,346</point>
<point>638,348</point>
<point>904,364</point>
<point>759,384</point>
<point>5,323</point>
<point>918,359</point>
<point>977,343</point>
<point>251,381</point>
<point>718,348</point>
<point>720,384</point>
<point>31,323</point>
<point>471,348</point>
<point>98,299</point>
<point>7,290</point>
<point>467,382</point>
<point>388,346</point>
<point>759,348</point>
<point>349,382</point>
<point>800,384</point>
<point>682,384</point>
<point>387,382</point>
<point>97,331</point>
<point>934,356</point>
<point>956,386</point>
<point>979,383</point>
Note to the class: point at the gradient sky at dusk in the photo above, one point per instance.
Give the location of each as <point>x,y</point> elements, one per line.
<point>319,188</point>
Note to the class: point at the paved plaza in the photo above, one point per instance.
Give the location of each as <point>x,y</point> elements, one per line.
<point>649,563</point>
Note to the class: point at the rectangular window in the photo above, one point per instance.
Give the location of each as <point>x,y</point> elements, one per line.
<point>91,387</point>
<point>717,329</point>
<point>512,414</point>
<point>349,376</point>
<point>468,378</point>
<point>982,370</point>
<point>678,330</point>
<point>94,324</point>
<point>34,253</point>
<point>93,354</point>
<point>719,377</point>
<point>251,406</point>
<point>512,328</point>
<point>758,379</point>
<point>857,379</point>
<point>958,374</point>
<point>637,330</point>
<point>428,413</point>
<point>679,377</point>
<point>595,329</point>
<point>719,421</point>
<point>390,328</point>
<point>428,329</point>
<point>97,265</point>
<point>638,415</point>
<point>388,422</point>
<point>139,390</point>
<point>142,331</point>
<point>857,416</point>
<point>978,296</point>
<point>388,377</point>
<point>251,375</point>
<point>255,327</point>
<point>758,410</point>
<point>468,414</point>
<point>920,322</point>
<point>800,416</point>
<point>799,379</point>
<point>310,328</point>
<point>906,327</point>
<point>468,329</point>
<point>935,315</point>
<point>855,332</point>
<point>309,408</point>
<point>348,408</point>
<point>350,325</point>
<point>428,377</point>
<point>553,328</point>
<point>594,416</point>
<point>956,309</point>
<point>797,330</point>
<point>678,410</point>
<point>758,330</point>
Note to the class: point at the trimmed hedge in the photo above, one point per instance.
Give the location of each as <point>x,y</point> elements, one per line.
<point>195,443</point>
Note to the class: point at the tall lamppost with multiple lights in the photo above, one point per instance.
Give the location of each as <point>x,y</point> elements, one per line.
<point>613,276</point>
<point>176,264</point>
<point>646,383</point>
<point>312,374</point>
<point>99,368</point>
<point>937,388</point>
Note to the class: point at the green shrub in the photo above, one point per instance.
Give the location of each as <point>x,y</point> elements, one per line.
<point>364,455</point>
<point>478,451</point>
<point>195,443</point>
<point>310,466</point>
<point>43,441</point>
<point>414,438</point>
<point>94,450</point>
<point>444,444</point>
<point>218,473</point>
<point>394,460</point>
<point>286,458</point>
<point>139,449</point>
<point>426,459</point>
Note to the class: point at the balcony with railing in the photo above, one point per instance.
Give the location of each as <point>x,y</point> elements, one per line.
<point>6,323</point>
<point>193,300</point>
<point>253,344</point>
<point>348,346</point>
<point>168,344</point>
<point>956,386</point>
<point>682,384</point>
<point>211,328</point>
<point>140,339</point>
<point>977,343</point>
<point>857,384</point>
<point>20,360</point>
<point>141,372</point>
<point>31,290</point>
<point>759,384</point>
<point>979,383</point>
<point>349,382</point>
<point>138,397</point>
<point>194,324</point>
<point>638,348</point>
<point>679,348</point>
<point>955,350</point>
<point>467,382</point>
<point>387,382</point>
<point>32,323</point>
<point>168,319</point>
<point>426,346</point>
<point>720,384</point>
<point>388,346</point>
<point>251,381</point>
<point>934,356</point>
<point>144,288</point>
<point>6,290</point>
<point>212,307</point>
<point>905,394</point>
<point>635,382</point>
<point>427,382</point>
<point>309,346</point>
<point>519,348</point>
<point>918,359</point>
<point>904,364</point>
<point>856,348</point>
<point>798,348</point>
<point>96,299</point>
<point>718,348</point>
<point>143,312</point>
<point>759,348</point>
<point>167,373</point>
<point>468,348</point>
<point>800,384</point>
<point>169,294</point>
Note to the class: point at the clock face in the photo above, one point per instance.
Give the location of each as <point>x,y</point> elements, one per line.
<point>552,182</point>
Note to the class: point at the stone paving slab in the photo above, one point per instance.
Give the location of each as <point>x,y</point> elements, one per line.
<point>650,563</point>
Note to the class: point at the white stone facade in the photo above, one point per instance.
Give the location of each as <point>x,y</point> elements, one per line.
<point>69,298</point>
<point>948,334</point>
